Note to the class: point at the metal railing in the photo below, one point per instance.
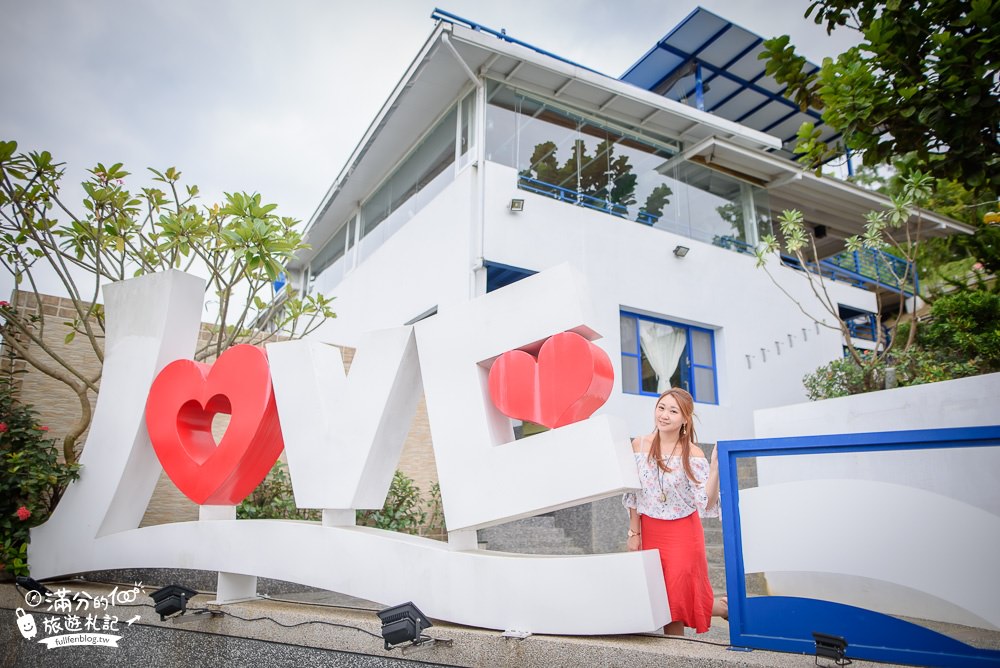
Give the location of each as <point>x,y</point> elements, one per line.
<point>864,269</point>
<point>868,269</point>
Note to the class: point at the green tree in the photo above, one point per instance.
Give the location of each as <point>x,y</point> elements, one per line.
<point>956,262</point>
<point>924,81</point>
<point>884,230</point>
<point>240,244</point>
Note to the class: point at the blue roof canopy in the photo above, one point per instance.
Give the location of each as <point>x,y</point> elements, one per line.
<point>721,56</point>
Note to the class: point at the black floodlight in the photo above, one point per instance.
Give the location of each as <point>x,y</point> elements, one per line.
<point>32,584</point>
<point>171,600</point>
<point>681,251</point>
<point>402,623</point>
<point>830,647</point>
<point>516,205</point>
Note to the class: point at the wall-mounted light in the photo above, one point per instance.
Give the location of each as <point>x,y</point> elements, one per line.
<point>516,205</point>
<point>681,251</point>
<point>819,231</point>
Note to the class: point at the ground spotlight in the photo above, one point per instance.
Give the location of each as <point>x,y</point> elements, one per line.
<point>830,647</point>
<point>32,584</point>
<point>403,623</point>
<point>171,599</point>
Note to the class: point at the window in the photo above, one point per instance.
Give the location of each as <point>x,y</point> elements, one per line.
<point>501,275</point>
<point>658,354</point>
<point>861,324</point>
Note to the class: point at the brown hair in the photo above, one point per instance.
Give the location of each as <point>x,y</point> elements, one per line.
<point>686,405</point>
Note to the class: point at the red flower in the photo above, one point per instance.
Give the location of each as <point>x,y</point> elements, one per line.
<point>23,513</point>
<point>4,304</point>
<point>3,427</point>
<point>41,427</point>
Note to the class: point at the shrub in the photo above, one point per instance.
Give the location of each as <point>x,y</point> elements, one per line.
<point>402,511</point>
<point>32,479</point>
<point>404,508</point>
<point>966,325</point>
<point>273,499</point>
<point>839,378</point>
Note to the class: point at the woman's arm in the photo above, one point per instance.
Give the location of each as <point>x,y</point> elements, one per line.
<point>712,484</point>
<point>634,540</point>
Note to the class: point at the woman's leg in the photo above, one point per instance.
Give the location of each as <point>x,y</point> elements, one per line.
<point>674,629</point>
<point>720,607</point>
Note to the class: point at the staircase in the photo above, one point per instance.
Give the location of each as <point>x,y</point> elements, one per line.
<point>532,535</point>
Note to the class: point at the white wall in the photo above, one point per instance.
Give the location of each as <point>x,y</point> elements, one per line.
<point>428,263</point>
<point>914,532</point>
<point>632,266</point>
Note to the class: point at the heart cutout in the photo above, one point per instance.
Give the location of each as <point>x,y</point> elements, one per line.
<point>567,383</point>
<point>183,401</point>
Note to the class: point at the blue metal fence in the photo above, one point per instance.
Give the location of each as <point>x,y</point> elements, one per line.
<point>864,269</point>
<point>786,623</point>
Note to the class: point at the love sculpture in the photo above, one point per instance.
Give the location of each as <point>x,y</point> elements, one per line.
<point>477,363</point>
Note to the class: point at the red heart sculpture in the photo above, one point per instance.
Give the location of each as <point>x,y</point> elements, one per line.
<point>182,401</point>
<point>571,379</point>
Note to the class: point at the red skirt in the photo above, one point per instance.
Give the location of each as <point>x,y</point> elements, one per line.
<point>681,544</point>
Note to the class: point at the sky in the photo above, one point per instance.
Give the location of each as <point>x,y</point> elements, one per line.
<point>273,96</point>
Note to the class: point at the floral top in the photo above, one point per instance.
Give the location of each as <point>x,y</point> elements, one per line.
<point>680,496</point>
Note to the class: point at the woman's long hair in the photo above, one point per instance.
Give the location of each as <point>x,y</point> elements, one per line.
<point>685,402</point>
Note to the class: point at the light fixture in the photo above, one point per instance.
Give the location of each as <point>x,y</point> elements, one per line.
<point>32,584</point>
<point>402,623</point>
<point>516,205</point>
<point>171,599</point>
<point>681,251</point>
<point>830,647</point>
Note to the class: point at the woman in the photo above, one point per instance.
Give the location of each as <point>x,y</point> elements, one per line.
<point>677,486</point>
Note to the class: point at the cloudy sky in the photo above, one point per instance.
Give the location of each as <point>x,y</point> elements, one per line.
<point>272,96</point>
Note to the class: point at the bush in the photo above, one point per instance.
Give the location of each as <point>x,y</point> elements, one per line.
<point>402,511</point>
<point>965,326</point>
<point>273,500</point>
<point>404,508</point>
<point>839,378</point>
<point>32,479</point>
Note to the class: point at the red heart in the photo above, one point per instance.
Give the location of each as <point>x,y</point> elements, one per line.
<point>182,401</point>
<point>571,379</point>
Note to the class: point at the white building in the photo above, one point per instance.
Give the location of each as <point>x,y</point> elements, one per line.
<point>493,159</point>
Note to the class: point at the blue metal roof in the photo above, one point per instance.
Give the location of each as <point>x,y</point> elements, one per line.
<point>711,63</point>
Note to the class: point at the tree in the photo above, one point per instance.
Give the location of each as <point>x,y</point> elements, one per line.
<point>883,230</point>
<point>240,244</point>
<point>925,81</point>
<point>958,262</point>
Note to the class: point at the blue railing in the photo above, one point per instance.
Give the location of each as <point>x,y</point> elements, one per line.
<point>572,196</point>
<point>863,269</point>
<point>866,269</point>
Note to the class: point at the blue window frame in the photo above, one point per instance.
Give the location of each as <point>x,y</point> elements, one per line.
<point>658,354</point>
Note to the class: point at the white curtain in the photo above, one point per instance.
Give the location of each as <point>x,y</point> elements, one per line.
<point>663,346</point>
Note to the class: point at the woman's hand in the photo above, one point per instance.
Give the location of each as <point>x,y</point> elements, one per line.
<point>634,544</point>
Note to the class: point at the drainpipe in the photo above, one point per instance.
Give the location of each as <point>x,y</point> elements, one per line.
<point>477,241</point>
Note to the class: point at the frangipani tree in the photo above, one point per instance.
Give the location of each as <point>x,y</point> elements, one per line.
<point>896,231</point>
<point>240,245</point>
